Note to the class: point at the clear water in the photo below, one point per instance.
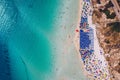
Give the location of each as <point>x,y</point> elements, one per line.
<point>28,45</point>
<point>25,47</point>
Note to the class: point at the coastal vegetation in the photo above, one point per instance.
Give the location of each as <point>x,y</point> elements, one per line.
<point>115,26</point>
<point>108,33</point>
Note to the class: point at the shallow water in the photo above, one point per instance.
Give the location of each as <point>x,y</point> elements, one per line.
<point>25,30</point>
<point>29,48</point>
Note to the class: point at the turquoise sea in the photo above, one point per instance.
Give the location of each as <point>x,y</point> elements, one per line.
<point>26,25</point>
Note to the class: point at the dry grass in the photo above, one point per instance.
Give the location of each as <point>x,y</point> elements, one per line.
<point>109,40</point>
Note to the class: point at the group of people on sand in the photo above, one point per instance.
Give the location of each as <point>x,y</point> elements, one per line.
<point>94,66</point>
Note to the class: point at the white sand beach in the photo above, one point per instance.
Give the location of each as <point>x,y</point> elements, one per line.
<point>96,56</point>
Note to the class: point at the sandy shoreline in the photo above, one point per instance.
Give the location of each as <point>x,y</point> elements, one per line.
<point>67,62</point>
<point>77,35</point>
<point>96,44</point>
<point>77,38</point>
